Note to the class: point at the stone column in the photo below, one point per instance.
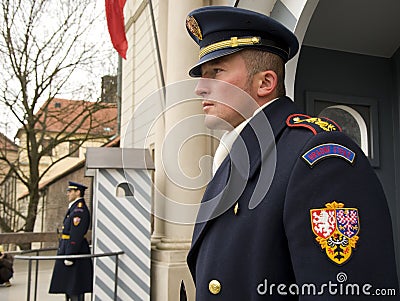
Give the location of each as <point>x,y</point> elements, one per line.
<point>178,158</point>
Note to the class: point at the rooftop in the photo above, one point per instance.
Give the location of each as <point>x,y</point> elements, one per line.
<point>63,115</point>
<point>7,144</point>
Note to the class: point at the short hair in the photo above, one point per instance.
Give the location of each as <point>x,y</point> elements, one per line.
<point>259,60</point>
<point>81,192</point>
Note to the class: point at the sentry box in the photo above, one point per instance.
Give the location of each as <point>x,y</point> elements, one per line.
<point>122,190</point>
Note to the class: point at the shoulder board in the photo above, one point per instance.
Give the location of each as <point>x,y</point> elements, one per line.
<point>314,124</point>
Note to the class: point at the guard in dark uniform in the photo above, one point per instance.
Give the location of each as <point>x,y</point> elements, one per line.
<point>74,277</point>
<point>294,211</point>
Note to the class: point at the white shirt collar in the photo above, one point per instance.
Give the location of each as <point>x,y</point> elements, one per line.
<point>229,137</point>
<point>264,106</point>
<point>73,202</point>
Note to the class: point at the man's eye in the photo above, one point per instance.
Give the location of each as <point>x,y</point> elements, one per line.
<point>211,72</point>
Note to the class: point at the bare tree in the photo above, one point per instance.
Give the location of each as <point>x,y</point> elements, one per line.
<point>45,47</point>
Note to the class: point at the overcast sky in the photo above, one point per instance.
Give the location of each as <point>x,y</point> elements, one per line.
<point>105,67</point>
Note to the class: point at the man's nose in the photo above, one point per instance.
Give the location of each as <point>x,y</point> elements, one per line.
<point>203,87</point>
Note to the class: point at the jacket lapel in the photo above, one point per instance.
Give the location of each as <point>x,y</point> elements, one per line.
<point>211,198</point>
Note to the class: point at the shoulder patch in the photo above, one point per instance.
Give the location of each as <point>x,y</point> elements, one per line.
<point>322,151</point>
<point>76,221</point>
<point>314,124</point>
<point>336,229</point>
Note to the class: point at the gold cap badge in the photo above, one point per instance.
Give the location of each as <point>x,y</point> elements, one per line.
<point>194,27</point>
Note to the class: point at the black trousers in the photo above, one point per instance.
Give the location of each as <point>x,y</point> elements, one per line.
<point>75,298</point>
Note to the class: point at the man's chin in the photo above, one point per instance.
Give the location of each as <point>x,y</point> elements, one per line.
<point>216,123</point>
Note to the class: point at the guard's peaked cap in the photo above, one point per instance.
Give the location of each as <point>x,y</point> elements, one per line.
<point>223,30</point>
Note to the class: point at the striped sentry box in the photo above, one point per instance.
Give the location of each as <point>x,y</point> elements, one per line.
<point>122,221</point>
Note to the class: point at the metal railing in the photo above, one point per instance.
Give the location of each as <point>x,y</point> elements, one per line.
<point>37,258</point>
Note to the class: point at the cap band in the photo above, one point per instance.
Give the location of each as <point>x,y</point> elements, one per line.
<point>232,43</point>
<point>245,41</point>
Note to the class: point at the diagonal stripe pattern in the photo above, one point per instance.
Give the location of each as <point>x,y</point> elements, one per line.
<point>122,223</point>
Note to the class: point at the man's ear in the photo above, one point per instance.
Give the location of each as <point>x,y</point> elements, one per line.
<point>267,82</point>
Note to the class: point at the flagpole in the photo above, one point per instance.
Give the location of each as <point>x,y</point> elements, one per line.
<point>153,22</point>
<point>119,92</point>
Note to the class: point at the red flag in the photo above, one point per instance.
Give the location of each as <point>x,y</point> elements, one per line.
<point>116,25</point>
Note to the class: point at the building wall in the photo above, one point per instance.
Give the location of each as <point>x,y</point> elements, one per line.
<point>8,188</point>
<point>140,73</point>
<point>59,151</point>
<point>64,164</point>
<point>141,106</point>
<point>56,201</point>
<point>9,205</point>
<point>396,121</point>
<point>12,156</point>
<point>396,142</point>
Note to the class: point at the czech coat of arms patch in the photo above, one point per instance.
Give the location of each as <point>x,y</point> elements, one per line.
<point>336,230</point>
<point>77,220</point>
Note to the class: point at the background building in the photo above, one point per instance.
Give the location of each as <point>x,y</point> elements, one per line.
<point>64,130</point>
<point>8,182</point>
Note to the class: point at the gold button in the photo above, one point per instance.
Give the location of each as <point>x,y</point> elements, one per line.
<point>214,286</point>
<point>236,209</point>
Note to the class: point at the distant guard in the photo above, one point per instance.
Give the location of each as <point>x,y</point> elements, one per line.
<point>74,277</point>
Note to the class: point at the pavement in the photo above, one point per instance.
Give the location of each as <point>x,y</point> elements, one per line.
<point>18,289</point>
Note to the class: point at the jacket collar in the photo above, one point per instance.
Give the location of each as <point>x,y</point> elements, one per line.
<point>73,202</point>
<point>257,137</point>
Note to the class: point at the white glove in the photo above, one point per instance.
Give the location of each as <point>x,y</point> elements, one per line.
<point>68,262</point>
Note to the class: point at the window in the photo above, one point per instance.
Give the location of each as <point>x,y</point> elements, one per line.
<point>74,149</point>
<point>356,115</point>
<point>47,147</point>
<point>351,123</point>
<point>125,190</point>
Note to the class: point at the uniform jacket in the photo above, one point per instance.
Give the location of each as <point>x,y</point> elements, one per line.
<point>77,278</point>
<point>269,217</point>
